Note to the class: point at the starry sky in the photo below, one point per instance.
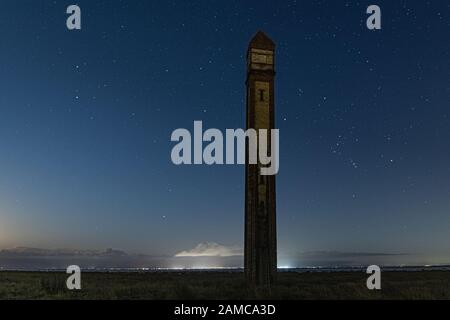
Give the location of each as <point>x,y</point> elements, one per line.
<point>86,118</point>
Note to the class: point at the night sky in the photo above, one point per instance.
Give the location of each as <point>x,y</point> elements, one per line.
<point>86,118</point>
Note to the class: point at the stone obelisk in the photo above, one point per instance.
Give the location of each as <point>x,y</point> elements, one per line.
<point>260,207</point>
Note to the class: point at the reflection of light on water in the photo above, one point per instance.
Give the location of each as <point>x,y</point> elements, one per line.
<point>284,267</point>
<point>205,263</point>
<point>198,267</point>
<point>173,268</point>
<point>202,267</point>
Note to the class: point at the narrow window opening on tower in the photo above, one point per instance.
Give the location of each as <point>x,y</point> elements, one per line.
<point>261,95</point>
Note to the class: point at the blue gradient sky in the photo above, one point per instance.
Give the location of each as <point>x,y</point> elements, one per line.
<point>86,118</point>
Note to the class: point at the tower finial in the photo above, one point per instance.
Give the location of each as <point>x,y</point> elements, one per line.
<point>262,41</point>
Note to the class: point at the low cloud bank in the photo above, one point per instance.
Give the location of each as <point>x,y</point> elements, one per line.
<point>211,249</point>
<point>203,256</point>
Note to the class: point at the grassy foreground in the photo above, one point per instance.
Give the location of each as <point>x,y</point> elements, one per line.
<point>223,285</point>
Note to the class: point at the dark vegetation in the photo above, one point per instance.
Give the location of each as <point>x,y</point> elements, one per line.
<point>223,285</point>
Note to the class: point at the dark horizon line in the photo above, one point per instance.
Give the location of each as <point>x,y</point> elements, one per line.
<point>337,268</point>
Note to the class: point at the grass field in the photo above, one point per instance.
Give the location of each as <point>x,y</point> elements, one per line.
<point>223,285</point>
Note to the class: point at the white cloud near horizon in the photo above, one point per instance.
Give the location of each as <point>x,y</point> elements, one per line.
<point>211,249</point>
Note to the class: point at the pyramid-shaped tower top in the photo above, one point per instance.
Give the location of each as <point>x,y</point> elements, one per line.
<point>262,41</point>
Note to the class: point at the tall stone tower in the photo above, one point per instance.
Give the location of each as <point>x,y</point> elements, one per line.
<point>260,208</point>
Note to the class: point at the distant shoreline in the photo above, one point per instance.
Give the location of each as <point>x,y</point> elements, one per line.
<point>237,270</point>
